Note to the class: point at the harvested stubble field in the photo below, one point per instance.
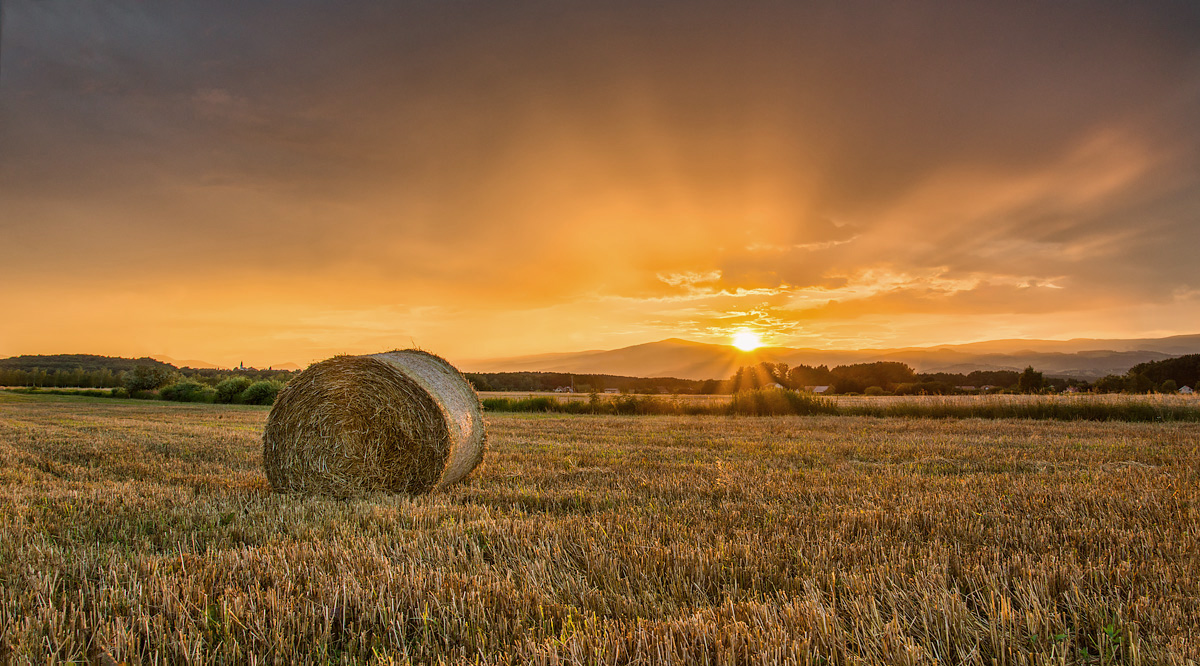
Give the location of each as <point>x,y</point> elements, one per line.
<point>144,532</point>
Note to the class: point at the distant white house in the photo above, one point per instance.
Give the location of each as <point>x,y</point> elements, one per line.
<point>612,390</point>
<point>816,389</point>
<point>1186,390</point>
<point>776,385</point>
<point>564,389</point>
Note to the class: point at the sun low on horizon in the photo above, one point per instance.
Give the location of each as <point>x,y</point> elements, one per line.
<point>746,339</point>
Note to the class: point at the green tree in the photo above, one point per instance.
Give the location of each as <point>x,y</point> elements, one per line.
<point>804,375</point>
<point>231,389</point>
<point>148,377</point>
<point>260,393</point>
<point>478,382</point>
<point>884,374</point>
<point>1030,381</point>
<point>188,391</point>
<point>1185,370</point>
<point>1139,383</point>
<point>1109,384</point>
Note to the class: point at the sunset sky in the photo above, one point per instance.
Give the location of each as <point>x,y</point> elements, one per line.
<point>281,181</point>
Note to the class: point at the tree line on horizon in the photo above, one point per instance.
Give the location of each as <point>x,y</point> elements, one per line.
<point>147,377</point>
<point>143,378</point>
<point>878,378</point>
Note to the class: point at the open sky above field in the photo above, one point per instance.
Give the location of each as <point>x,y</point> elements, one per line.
<point>278,181</point>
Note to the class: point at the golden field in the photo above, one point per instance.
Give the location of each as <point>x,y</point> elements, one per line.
<point>144,532</point>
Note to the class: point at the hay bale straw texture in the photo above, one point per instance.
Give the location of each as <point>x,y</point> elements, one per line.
<point>402,421</point>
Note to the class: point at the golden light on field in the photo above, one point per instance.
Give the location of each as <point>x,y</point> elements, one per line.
<point>747,340</point>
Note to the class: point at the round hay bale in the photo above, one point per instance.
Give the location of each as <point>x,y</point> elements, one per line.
<point>402,421</point>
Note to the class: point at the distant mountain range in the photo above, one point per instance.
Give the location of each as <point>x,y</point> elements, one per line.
<point>1081,358</point>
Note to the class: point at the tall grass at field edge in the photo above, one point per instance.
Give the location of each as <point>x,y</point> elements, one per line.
<point>759,402</point>
<point>1034,407</point>
<point>781,402</point>
<point>627,405</point>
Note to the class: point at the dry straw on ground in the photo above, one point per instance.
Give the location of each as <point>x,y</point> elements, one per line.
<point>401,421</point>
